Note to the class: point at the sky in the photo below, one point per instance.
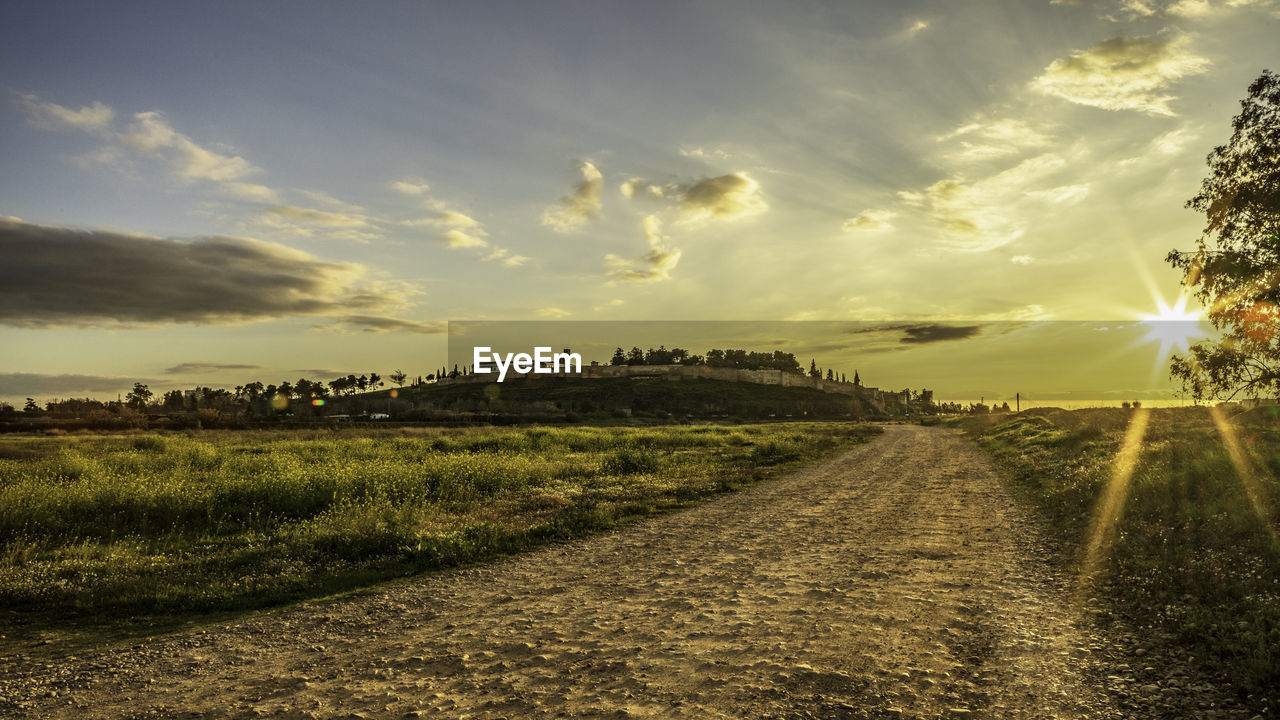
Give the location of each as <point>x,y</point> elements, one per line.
<point>207,194</point>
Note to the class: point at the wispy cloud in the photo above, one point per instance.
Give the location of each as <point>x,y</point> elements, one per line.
<point>380,324</point>
<point>870,220</point>
<point>38,384</point>
<point>458,239</point>
<point>988,139</point>
<point>204,368</point>
<point>411,186</point>
<point>580,206</point>
<point>95,118</point>
<point>654,265</point>
<point>1123,73</point>
<point>152,134</point>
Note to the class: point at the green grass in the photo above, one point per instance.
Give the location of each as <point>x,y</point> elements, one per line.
<point>1192,556</point>
<point>171,525</point>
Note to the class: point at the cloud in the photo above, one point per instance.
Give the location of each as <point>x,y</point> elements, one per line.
<point>52,116</point>
<point>870,220</point>
<point>457,239</point>
<point>1061,194</point>
<point>410,186</point>
<point>201,368</point>
<point>38,384</point>
<point>726,197</point>
<point>553,312</point>
<point>1190,8</point>
<point>1022,259</point>
<point>920,334</point>
<point>54,276</point>
<point>639,187</point>
<point>379,324</point>
<point>323,198</point>
<point>464,231</point>
<point>505,257</point>
<point>580,206</point>
<point>989,139</point>
<point>151,134</point>
<point>1123,73</point>
<point>250,191</point>
<point>323,218</point>
<point>654,265</point>
<point>447,218</point>
<point>985,214</point>
<point>291,219</point>
<point>914,29</point>
<point>322,372</point>
<point>703,153</point>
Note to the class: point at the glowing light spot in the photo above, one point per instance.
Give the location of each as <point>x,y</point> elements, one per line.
<point>395,393</point>
<point>279,401</point>
<point>318,402</point>
<point>1173,327</point>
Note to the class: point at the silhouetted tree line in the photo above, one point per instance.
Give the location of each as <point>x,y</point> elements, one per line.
<point>718,358</point>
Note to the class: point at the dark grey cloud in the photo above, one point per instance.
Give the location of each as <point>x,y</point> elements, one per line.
<point>322,372</point>
<point>39,384</point>
<point>378,324</point>
<point>938,333</point>
<point>52,276</point>
<point>198,368</point>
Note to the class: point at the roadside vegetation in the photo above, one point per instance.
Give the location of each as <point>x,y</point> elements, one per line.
<point>158,525</point>
<point>1195,557</point>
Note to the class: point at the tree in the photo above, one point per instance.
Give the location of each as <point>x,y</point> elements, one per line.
<point>619,358</point>
<point>1235,269</point>
<point>31,406</point>
<point>139,397</point>
<point>398,377</point>
<point>857,381</point>
<point>814,372</point>
<point>375,381</point>
<point>174,400</point>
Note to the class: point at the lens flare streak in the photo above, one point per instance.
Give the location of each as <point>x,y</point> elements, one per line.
<point>1249,480</point>
<point>1111,505</point>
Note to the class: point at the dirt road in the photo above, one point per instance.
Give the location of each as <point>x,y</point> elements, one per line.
<point>896,580</point>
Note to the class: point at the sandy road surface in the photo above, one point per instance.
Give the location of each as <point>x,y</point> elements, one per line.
<point>896,580</point>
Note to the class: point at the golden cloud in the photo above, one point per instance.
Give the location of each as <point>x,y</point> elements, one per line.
<point>580,206</point>
<point>1123,73</point>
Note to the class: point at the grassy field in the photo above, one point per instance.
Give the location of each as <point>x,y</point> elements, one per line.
<point>95,527</point>
<point>1195,556</point>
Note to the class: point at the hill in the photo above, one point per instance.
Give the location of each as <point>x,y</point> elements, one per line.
<point>612,398</point>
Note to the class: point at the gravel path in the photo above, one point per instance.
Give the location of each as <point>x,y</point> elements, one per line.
<point>895,580</point>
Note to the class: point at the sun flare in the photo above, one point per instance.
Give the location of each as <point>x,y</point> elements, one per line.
<point>1174,327</point>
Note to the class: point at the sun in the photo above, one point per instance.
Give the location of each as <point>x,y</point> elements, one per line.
<point>1173,327</point>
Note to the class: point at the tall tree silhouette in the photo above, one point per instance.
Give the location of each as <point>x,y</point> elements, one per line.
<point>1235,268</point>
